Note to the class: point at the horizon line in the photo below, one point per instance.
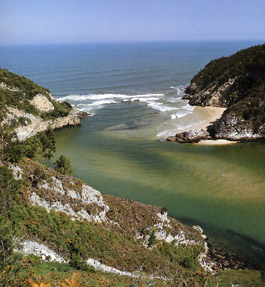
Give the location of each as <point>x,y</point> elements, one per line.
<point>129,42</point>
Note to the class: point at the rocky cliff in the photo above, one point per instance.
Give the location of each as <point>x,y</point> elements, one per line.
<point>28,109</point>
<point>62,219</point>
<point>238,84</point>
<point>52,225</point>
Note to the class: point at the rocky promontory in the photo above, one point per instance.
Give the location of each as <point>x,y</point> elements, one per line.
<point>29,109</point>
<point>236,83</point>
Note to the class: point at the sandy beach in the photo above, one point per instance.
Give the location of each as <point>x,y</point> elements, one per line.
<point>211,114</point>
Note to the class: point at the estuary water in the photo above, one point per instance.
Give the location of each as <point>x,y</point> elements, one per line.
<point>133,93</point>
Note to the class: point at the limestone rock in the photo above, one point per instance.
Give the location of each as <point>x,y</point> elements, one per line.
<point>42,103</point>
<point>38,125</point>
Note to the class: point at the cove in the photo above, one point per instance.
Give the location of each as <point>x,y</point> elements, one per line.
<point>219,186</point>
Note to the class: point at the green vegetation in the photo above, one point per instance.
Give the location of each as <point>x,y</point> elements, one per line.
<point>249,63</point>
<point>112,244</point>
<point>64,165</point>
<point>42,145</point>
<point>60,110</point>
<point>24,85</point>
<point>17,91</point>
<point>245,98</point>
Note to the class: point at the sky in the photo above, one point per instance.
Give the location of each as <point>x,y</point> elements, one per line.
<point>86,21</point>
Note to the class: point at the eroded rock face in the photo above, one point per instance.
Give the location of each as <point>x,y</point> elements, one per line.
<point>28,247</point>
<point>233,128</point>
<point>79,202</point>
<point>41,103</point>
<point>210,96</point>
<point>37,125</point>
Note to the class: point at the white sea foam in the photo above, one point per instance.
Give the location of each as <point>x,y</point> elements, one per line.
<point>156,101</point>
<point>188,107</point>
<point>98,101</point>
<point>160,106</point>
<point>180,114</point>
<point>93,97</point>
<point>174,100</point>
<point>179,89</point>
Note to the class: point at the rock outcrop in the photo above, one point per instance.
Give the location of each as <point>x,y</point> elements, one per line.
<point>28,109</point>
<point>42,103</point>
<point>192,136</point>
<point>35,124</point>
<point>236,83</point>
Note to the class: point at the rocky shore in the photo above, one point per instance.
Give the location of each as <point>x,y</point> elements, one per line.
<point>236,83</point>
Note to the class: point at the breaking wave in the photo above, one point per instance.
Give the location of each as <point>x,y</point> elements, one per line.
<point>164,103</point>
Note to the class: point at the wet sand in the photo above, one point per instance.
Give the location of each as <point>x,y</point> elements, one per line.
<point>211,114</point>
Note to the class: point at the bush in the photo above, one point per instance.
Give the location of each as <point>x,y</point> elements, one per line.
<point>48,143</point>
<point>64,165</point>
<point>152,238</point>
<point>32,147</point>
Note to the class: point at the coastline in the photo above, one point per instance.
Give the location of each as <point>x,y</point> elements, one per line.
<point>211,114</point>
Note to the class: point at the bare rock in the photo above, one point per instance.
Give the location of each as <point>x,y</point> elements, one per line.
<point>171,139</point>
<point>42,103</point>
<point>192,136</point>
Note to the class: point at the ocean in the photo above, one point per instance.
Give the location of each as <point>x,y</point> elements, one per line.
<point>133,93</point>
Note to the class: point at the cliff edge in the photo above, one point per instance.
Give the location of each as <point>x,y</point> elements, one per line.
<point>28,109</point>
<point>236,83</point>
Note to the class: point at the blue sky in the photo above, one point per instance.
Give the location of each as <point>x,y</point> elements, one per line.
<point>81,21</point>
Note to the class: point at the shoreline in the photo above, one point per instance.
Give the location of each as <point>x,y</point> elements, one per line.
<point>211,114</point>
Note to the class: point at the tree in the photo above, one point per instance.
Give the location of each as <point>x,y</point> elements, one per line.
<point>64,165</point>
<point>48,143</point>
<point>32,147</point>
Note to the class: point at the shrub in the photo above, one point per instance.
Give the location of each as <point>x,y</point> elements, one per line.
<point>152,238</point>
<point>48,143</point>
<point>64,165</point>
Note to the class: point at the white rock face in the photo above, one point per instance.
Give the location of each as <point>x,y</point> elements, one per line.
<point>32,247</point>
<point>4,86</point>
<point>37,124</point>
<point>42,103</point>
<point>28,247</point>
<point>162,234</point>
<point>204,261</point>
<point>17,171</point>
<point>88,196</point>
<point>104,268</point>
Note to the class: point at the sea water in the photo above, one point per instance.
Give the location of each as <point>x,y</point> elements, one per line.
<point>133,94</point>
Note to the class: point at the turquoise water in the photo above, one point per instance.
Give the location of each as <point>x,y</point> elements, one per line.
<point>134,93</point>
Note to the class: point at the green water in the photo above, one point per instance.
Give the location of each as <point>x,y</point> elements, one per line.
<point>218,186</point>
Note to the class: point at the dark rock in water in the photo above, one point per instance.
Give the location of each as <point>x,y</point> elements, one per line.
<point>171,139</point>
<point>192,136</point>
<point>82,114</point>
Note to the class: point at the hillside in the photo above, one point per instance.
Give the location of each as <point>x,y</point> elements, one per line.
<point>238,84</point>
<point>28,109</point>
<point>55,230</point>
